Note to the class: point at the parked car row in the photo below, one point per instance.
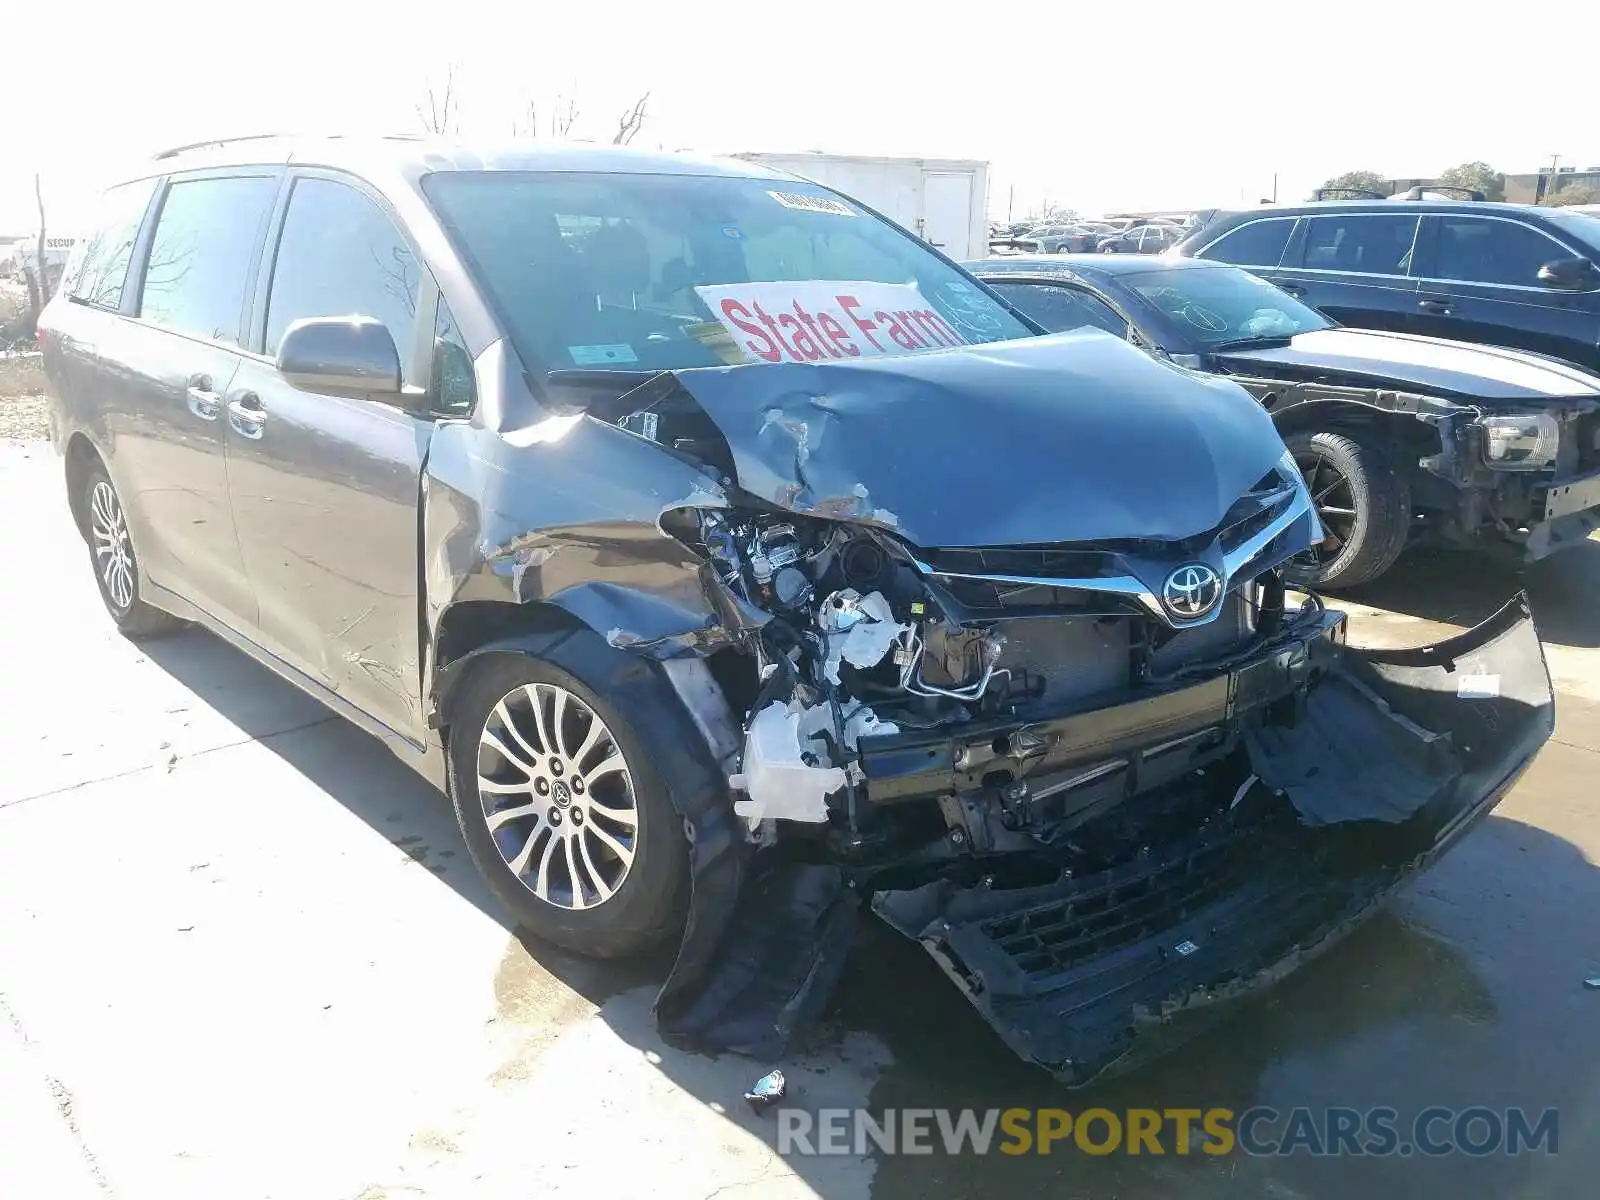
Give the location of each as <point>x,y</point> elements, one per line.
<point>1114,235</point>
<point>740,567</point>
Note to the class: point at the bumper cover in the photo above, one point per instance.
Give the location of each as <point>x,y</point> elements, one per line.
<point>1086,973</point>
<point>1392,756</point>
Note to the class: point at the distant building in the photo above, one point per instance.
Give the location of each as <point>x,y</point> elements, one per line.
<point>1531,189</point>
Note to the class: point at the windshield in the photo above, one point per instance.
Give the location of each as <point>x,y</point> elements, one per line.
<point>661,272</point>
<point>1223,304</point>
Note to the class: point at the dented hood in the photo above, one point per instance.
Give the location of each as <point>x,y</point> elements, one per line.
<point>1073,437</point>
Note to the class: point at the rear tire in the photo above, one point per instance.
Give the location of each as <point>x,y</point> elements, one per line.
<point>1363,500</point>
<point>580,839</point>
<point>114,561</point>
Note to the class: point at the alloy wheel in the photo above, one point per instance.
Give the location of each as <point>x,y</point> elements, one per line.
<point>1334,499</point>
<point>557,796</point>
<point>113,551</point>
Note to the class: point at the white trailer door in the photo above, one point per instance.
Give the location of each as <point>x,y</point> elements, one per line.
<point>947,211</point>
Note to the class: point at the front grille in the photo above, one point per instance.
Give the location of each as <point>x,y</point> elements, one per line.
<point>1127,904</point>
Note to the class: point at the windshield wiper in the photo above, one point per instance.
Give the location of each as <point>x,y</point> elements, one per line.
<point>1254,343</point>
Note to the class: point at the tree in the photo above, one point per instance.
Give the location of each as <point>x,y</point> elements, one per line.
<point>1573,193</point>
<point>1479,176</point>
<point>629,124</point>
<point>1360,181</point>
<point>437,114</point>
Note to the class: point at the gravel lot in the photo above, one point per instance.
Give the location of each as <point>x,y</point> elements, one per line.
<point>243,956</point>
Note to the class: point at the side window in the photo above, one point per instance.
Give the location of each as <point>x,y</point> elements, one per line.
<point>340,255</point>
<point>1061,308</point>
<point>454,388</point>
<point>1480,251</point>
<point>103,256</point>
<point>199,267</point>
<point>1253,244</point>
<point>1372,244</point>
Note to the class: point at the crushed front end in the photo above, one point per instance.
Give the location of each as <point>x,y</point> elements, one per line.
<point>1100,780</point>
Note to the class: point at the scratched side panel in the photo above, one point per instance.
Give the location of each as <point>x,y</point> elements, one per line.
<point>566,511</point>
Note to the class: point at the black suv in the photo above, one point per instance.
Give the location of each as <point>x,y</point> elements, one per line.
<point>1500,274</point>
<point>733,560</point>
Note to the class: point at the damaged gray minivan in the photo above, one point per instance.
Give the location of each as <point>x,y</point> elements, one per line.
<point>739,565</point>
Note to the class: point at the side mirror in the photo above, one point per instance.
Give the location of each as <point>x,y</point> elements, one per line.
<point>340,356</point>
<point>1571,274</point>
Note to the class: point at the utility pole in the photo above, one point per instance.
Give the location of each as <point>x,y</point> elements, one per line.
<point>1274,187</point>
<point>1551,190</point>
<point>1011,202</point>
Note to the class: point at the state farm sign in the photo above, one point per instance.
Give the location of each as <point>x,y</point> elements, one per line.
<point>820,320</point>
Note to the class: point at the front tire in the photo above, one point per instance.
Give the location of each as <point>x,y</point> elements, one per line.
<point>1363,501</point>
<point>562,808</point>
<point>116,565</point>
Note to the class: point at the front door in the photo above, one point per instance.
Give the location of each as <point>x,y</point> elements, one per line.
<point>326,489</point>
<point>1483,286</point>
<point>174,362</point>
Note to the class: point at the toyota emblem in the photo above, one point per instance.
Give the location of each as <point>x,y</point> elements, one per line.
<point>1191,591</point>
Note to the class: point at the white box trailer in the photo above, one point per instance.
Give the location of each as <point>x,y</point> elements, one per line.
<point>942,200</point>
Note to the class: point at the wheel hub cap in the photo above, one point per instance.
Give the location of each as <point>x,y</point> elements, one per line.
<point>557,796</point>
<point>113,552</point>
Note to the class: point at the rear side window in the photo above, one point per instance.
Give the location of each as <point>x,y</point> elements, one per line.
<point>1253,244</point>
<point>1375,244</point>
<point>102,266</point>
<point>199,266</point>
<point>1479,251</point>
<point>340,255</point>
<point>1061,308</point>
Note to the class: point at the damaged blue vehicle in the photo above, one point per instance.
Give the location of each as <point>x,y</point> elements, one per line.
<point>743,569</point>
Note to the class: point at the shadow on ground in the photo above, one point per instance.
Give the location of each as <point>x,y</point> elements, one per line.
<point>1466,992</point>
<point>1462,588</point>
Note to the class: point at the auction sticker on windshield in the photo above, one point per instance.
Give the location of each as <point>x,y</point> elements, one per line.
<point>819,204</point>
<point>821,320</point>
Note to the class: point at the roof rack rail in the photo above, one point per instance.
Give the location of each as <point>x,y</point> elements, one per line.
<point>1421,190</point>
<point>174,151</point>
<point>267,137</point>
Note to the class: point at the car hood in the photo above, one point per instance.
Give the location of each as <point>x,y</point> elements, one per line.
<point>1071,437</point>
<point>1456,369</point>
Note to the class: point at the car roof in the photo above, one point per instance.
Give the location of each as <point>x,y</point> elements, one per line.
<point>422,155</point>
<point>1388,205</point>
<point>1086,264</point>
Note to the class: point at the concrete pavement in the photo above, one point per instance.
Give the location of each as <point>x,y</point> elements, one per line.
<point>242,954</point>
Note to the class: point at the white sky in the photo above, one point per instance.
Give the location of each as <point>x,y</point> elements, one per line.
<point>1096,106</point>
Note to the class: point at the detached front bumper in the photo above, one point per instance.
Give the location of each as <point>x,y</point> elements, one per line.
<point>1368,765</point>
<point>1088,972</point>
<point>1571,514</point>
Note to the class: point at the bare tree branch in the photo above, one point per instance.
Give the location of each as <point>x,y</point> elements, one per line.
<point>561,122</point>
<point>629,124</point>
<point>437,117</point>
<point>44,270</point>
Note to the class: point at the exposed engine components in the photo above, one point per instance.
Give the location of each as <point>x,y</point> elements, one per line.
<point>772,549</point>
<point>788,771</point>
<point>859,630</point>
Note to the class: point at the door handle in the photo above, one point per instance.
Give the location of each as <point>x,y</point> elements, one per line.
<point>247,415</point>
<point>203,402</point>
<point>1433,305</point>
